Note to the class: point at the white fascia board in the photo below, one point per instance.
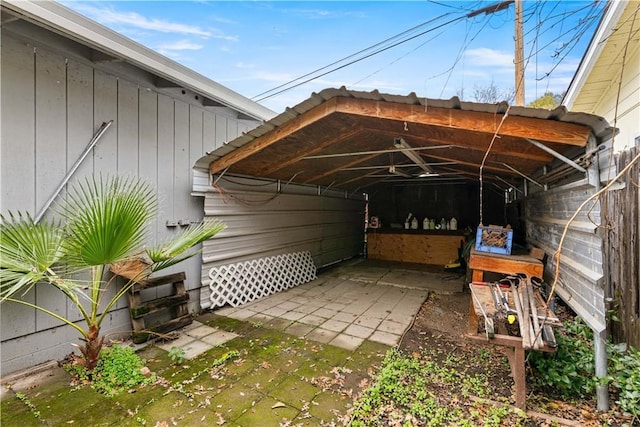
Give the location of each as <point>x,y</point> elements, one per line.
<point>613,13</point>
<point>65,21</point>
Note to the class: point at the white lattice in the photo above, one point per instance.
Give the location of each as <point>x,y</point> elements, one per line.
<point>237,284</point>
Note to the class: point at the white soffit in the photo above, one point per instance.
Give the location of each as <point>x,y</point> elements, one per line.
<point>606,27</point>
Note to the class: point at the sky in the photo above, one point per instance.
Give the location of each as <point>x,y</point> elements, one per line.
<point>259,48</point>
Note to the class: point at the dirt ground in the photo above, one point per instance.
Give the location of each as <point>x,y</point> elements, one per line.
<point>441,324</point>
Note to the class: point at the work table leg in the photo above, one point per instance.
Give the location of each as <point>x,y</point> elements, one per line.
<point>516,360</point>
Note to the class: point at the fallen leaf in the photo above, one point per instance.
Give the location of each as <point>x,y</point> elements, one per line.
<point>278,405</point>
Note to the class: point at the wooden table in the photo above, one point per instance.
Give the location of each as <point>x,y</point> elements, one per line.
<point>479,262</point>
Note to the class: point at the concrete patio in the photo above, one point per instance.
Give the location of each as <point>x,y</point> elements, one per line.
<point>357,301</point>
<point>300,357</point>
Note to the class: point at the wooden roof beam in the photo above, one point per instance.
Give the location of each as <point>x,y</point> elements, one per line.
<point>264,141</point>
<point>485,122</point>
<point>537,156</point>
<point>472,164</point>
<point>299,155</point>
<point>354,162</point>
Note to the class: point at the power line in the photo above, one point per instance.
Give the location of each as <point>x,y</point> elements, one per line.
<point>354,61</point>
<point>363,51</point>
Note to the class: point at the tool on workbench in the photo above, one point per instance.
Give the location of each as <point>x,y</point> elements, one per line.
<point>488,321</point>
<point>504,298</point>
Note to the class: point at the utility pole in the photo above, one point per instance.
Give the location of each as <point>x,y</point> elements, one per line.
<point>519,44</point>
<point>519,56</point>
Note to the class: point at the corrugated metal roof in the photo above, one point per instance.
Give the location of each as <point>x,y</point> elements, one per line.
<point>287,140</point>
<point>56,17</point>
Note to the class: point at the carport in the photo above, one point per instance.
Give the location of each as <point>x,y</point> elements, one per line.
<point>299,190</point>
<point>308,179</point>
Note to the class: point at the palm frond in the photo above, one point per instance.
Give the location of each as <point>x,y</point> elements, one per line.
<point>106,220</point>
<point>28,252</point>
<point>176,249</point>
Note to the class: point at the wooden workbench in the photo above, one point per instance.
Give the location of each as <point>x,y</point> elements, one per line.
<point>481,304</point>
<point>437,247</point>
<point>479,262</point>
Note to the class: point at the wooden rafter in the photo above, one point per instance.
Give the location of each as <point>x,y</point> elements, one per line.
<point>299,155</point>
<point>264,141</point>
<point>516,126</point>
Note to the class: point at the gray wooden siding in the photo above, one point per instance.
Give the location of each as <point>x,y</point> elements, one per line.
<point>580,282</point>
<point>262,221</point>
<point>52,103</point>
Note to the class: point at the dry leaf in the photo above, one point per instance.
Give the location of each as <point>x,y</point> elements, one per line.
<point>278,405</point>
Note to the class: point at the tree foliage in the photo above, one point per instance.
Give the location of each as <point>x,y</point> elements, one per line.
<point>549,101</point>
<point>490,94</point>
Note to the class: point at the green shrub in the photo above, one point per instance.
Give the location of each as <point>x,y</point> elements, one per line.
<point>118,370</point>
<point>569,371</point>
<point>624,376</point>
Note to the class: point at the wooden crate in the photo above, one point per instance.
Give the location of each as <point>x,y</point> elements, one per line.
<point>174,308</point>
<point>495,240</point>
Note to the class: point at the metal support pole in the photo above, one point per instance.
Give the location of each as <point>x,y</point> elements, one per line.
<point>600,350</point>
<point>103,128</point>
<point>593,171</point>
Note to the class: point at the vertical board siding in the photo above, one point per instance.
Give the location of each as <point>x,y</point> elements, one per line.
<point>51,107</point>
<point>581,280</point>
<point>79,105</point>
<point>622,248</point>
<point>262,222</point>
<point>51,132</point>
<point>105,108</point>
<point>18,126</point>
<point>127,131</point>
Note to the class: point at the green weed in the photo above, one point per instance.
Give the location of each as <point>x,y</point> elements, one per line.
<point>176,354</point>
<point>117,370</point>
<point>32,408</point>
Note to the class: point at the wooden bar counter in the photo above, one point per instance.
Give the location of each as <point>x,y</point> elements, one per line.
<point>437,247</point>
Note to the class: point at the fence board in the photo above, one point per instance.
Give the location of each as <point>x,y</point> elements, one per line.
<point>622,250</point>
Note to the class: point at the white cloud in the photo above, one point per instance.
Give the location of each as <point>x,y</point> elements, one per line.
<point>485,57</point>
<point>108,16</point>
<point>244,65</point>
<point>179,45</point>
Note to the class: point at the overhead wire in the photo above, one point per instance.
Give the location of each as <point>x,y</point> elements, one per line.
<point>397,59</point>
<point>376,48</point>
<point>410,34</point>
<point>461,52</point>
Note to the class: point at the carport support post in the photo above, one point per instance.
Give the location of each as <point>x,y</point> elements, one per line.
<point>602,388</point>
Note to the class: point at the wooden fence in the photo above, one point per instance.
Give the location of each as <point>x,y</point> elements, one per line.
<point>620,211</point>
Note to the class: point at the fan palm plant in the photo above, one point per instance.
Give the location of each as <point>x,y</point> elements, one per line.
<point>102,223</point>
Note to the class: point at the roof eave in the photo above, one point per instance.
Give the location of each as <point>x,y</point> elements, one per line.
<point>69,23</point>
<point>606,26</point>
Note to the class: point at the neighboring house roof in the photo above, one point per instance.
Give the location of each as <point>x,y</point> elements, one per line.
<point>603,59</point>
<point>346,139</point>
<point>54,16</point>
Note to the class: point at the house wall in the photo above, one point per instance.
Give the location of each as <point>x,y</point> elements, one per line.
<point>54,97</point>
<point>269,218</point>
<point>623,110</point>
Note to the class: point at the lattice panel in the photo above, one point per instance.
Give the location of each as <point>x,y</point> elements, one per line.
<point>237,284</point>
